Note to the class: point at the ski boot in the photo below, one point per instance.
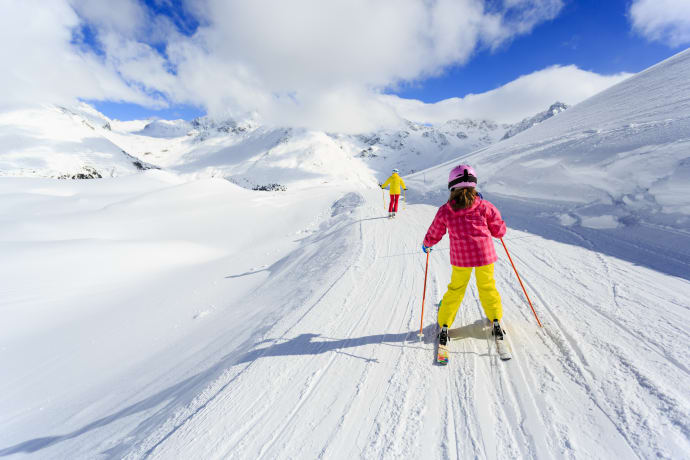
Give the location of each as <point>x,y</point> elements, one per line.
<point>502,346</point>
<point>497,331</point>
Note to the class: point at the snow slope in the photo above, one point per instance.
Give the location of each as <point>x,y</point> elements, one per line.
<point>342,375</point>
<point>119,286</point>
<point>57,142</point>
<point>613,169</point>
<point>527,123</point>
<point>625,150</point>
<point>155,327</point>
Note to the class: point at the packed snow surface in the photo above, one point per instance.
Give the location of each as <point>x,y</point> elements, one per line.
<point>145,316</point>
<point>179,314</point>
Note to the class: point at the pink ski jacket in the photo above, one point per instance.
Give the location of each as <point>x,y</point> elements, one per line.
<point>470,231</point>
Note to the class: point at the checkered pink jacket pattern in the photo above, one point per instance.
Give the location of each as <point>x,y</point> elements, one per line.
<point>470,231</point>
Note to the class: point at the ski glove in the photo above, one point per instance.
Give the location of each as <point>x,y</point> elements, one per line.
<point>426,249</point>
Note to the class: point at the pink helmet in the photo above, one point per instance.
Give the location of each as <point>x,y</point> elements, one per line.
<point>462,176</point>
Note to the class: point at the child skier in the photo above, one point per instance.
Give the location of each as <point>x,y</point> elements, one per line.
<point>395,182</point>
<point>471,222</point>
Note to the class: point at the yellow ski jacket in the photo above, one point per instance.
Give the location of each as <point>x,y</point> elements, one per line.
<point>395,182</point>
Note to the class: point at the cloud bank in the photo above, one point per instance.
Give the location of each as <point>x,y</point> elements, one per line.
<point>322,65</point>
<point>514,101</point>
<point>666,21</point>
<point>41,63</point>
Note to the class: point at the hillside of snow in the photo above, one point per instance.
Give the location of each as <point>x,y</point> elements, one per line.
<point>177,313</point>
<point>152,317</point>
<point>617,165</point>
<point>56,142</point>
<point>527,123</point>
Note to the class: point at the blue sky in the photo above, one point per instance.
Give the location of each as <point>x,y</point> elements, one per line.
<point>339,66</point>
<point>593,35</point>
<point>186,24</point>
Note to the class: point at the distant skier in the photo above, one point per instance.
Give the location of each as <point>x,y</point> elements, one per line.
<point>395,181</point>
<point>470,221</point>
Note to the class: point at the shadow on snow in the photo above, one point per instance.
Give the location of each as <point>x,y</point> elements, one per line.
<point>173,396</point>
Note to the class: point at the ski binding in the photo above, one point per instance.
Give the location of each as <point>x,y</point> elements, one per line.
<point>501,345</point>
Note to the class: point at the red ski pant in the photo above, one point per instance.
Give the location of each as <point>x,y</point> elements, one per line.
<point>393,207</point>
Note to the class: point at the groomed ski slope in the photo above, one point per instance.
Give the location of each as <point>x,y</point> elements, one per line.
<point>342,374</point>
<point>319,356</point>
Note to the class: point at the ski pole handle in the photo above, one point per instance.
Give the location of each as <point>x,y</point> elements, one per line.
<point>520,280</point>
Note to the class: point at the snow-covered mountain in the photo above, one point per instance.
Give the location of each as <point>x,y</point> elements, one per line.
<point>243,151</point>
<point>419,146</point>
<point>527,123</point>
<point>619,161</point>
<point>166,128</point>
<point>620,157</point>
<point>61,143</point>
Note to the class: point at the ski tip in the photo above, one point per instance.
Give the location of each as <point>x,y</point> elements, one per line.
<point>442,356</point>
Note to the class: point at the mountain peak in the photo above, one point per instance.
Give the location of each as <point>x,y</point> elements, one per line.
<point>553,110</point>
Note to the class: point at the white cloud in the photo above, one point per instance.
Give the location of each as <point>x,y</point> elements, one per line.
<point>666,21</point>
<point>301,63</point>
<point>128,18</point>
<point>41,64</point>
<point>516,17</point>
<point>289,60</point>
<point>513,101</point>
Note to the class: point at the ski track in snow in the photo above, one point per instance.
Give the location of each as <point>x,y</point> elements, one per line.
<point>347,376</point>
<point>339,372</point>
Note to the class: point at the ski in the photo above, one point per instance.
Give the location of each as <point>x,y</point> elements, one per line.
<point>442,353</point>
<point>442,356</point>
<point>502,346</point>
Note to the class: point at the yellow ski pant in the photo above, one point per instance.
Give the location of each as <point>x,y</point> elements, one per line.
<point>488,295</point>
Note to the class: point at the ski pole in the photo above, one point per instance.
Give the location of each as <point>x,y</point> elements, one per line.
<point>521,285</point>
<point>383,196</point>
<point>404,200</point>
<point>421,325</point>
